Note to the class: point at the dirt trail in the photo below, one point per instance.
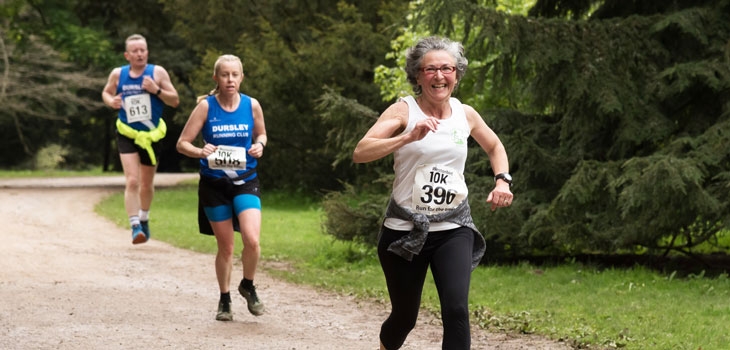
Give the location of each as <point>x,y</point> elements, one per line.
<point>70,279</point>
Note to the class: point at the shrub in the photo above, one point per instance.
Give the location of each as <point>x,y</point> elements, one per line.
<point>50,157</point>
<point>351,216</point>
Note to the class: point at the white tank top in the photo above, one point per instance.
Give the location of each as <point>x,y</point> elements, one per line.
<point>441,154</point>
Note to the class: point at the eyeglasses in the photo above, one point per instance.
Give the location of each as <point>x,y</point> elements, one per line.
<point>444,70</point>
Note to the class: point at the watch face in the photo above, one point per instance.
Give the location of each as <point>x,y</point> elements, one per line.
<point>504,176</point>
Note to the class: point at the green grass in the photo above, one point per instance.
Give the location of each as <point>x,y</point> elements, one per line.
<point>587,307</point>
<point>54,173</point>
<point>630,308</point>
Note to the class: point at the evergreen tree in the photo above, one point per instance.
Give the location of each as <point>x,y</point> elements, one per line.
<point>294,52</point>
<point>46,97</point>
<point>623,142</point>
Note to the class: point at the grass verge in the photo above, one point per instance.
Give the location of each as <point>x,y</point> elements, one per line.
<point>585,306</point>
<point>54,173</point>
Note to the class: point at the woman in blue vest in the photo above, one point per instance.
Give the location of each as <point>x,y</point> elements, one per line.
<point>139,91</point>
<point>234,133</point>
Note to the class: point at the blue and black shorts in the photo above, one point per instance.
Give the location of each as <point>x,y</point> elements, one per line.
<point>221,199</point>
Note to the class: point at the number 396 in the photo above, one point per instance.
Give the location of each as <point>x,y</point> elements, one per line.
<point>437,195</point>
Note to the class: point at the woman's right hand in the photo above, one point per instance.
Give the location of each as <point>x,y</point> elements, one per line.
<point>423,127</point>
<point>207,150</point>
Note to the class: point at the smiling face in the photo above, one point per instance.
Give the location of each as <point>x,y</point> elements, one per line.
<point>228,76</point>
<point>436,85</point>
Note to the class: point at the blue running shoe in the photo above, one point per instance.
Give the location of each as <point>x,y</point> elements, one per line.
<point>145,228</point>
<point>138,235</point>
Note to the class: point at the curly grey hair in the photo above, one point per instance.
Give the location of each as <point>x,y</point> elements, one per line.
<point>414,56</point>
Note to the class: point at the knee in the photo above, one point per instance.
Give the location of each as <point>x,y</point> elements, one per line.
<point>408,322</point>
<point>226,250</point>
<point>132,183</point>
<point>146,187</point>
<point>250,237</point>
<point>251,243</point>
<point>455,311</point>
<point>455,318</point>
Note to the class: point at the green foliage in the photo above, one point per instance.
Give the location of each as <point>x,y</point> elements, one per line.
<point>613,116</point>
<point>392,81</point>
<point>297,55</point>
<point>51,84</point>
<point>41,94</point>
<point>345,120</point>
<point>50,157</point>
<point>294,52</point>
<point>602,104</point>
<point>352,216</point>
<point>65,50</point>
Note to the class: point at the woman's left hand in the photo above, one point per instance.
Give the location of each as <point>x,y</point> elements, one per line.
<point>256,150</point>
<point>500,196</point>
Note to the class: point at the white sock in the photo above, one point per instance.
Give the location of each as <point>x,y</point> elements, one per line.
<point>144,215</point>
<point>133,220</point>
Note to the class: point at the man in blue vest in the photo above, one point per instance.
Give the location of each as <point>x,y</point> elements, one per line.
<point>140,92</point>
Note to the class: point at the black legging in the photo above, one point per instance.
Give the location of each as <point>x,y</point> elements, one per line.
<point>449,254</point>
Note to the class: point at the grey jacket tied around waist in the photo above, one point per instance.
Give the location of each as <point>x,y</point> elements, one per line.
<point>412,243</point>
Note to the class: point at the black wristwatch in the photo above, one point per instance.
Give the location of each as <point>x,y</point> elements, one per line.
<point>159,91</point>
<point>506,177</point>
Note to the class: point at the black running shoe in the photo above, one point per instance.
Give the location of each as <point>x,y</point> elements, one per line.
<point>224,312</point>
<point>255,306</point>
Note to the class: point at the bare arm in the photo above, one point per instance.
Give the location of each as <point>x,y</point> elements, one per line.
<point>162,82</point>
<point>490,143</point>
<point>259,130</point>
<point>384,137</point>
<point>109,94</point>
<point>190,132</point>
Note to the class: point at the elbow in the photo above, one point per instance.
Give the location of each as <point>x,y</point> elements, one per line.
<point>180,147</point>
<point>357,157</point>
<point>365,156</point>
<point>365,152</point>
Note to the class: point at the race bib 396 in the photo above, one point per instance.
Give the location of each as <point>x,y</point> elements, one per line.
<point>437,189</point>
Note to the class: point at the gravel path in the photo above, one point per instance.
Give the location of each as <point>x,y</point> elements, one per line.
<point>70,279</point>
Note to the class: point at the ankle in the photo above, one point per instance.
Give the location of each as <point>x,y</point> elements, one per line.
<point>247,283</point>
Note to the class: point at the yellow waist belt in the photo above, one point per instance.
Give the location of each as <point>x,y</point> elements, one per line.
<point>144,139</point>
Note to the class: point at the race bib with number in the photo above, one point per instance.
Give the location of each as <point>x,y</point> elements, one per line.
<point>138,108</point>
<point>437,189</point>
<point>228,158</point>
